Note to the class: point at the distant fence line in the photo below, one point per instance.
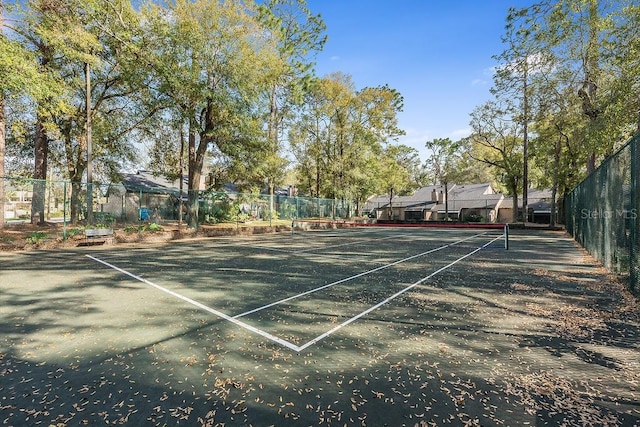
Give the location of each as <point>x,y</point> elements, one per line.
<point>602,213</point>
<point>64,201</point>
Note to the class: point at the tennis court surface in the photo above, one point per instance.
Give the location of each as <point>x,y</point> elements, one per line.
<point>356,326</point>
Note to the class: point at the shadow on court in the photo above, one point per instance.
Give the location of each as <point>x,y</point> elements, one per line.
<point>537,335</point>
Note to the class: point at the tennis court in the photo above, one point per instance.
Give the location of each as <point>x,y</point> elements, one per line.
<point>348,326</point>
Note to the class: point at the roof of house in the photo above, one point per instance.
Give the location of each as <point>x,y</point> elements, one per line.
<point>147,182</point>
<point>465,196</point>
<point>537,200</point>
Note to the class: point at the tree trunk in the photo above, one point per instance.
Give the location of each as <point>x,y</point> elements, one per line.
<point>181,166</point>
<point>589,86</point>
<point>554,187</point>
<point>41,153</point>
<point>317,177</point>
<point>87,76</point>
<point>525,148</point>
<point>273,142</point>
<point>2,148</point>
<point>2,135</point>
<point>76,187</point>
<point>513,188</point>
<point>39,174</point>
<point>193,180</point>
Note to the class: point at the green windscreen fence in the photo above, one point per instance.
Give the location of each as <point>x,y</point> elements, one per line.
<point>113,204</point>
<point>601,213</point>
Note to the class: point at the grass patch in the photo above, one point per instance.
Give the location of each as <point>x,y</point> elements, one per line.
<point>7,239</point>
<point>36,237</point>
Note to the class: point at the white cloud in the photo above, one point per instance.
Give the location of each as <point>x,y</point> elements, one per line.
<point>460,133</point>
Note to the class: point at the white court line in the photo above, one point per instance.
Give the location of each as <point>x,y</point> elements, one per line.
<point>347,244</point>
<point>202,306</point>
<point>302,251</point>
<point>353,277</point>
<point>289,251</point>
<point>397,294</point>
<point>272,337</point>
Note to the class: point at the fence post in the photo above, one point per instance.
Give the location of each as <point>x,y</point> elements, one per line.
<point>64,210</point>
<point>139,210</point>
<point>633,217</point>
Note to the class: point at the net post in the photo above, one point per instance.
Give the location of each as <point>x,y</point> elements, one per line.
<point>506,236</point>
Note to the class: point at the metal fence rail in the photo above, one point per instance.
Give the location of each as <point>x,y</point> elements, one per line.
<point>601,213</point>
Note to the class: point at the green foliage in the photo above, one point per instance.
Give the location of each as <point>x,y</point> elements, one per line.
<point>36,237</point>
<point>226,78</point>
<point>474,217</point>
<point>289,210</point>
<point>153,227</point>
<point>7,239</point>
<point>242,218</point>
<point>74,231</point>
<point>341,136</point>
<point>217,207</point>
<point>271,215</point>
<point>104,219</point>
<point>131,229</point>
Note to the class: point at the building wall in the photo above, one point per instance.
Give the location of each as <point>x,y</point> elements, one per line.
<point>505,215</point>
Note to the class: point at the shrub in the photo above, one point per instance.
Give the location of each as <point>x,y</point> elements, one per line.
<point>36,237</point>
<point>153,227</point>
<point>104,219</point>
<point>131,229</point>
<point>74,232</point>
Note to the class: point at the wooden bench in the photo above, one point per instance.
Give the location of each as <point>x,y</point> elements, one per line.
<point>94,236</point>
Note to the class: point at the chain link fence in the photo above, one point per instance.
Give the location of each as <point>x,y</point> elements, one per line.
<point>601,213</point>
<point>116,204</point>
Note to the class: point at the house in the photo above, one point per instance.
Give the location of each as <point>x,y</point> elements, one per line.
<point>18,195</point>
<point>468,202</point>
<point>142,195</point>
<point>538,204</point>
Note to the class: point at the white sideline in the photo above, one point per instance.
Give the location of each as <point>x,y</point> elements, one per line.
<point>246,313</point>
<point>286,343</point>
<point>202,306</point>
<point>397,294</point>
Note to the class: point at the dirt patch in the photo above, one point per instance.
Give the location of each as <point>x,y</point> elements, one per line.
<point>20,237</point>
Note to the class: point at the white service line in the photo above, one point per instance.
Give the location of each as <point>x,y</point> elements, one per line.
<point>281,341</point>
<point>369,310</point>
<point>353,277</point>
<point>347,244</point>
<point>202,306</point>
<point>302,251</point>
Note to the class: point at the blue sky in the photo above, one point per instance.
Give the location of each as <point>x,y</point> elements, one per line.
<point>436,53</point>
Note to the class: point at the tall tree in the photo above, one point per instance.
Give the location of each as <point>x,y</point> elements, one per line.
<point>496,142</point>
<point>578,33</point>
<point>442,159</point>
<point>212,60</point>
<point>394,177</point>
<point>3,139</point>
<point>340,134</point>
<point>299,36</point>
<point>623,52</point>
<point>88,43</point>
<point>512,79</point>
<point>22,76</point>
